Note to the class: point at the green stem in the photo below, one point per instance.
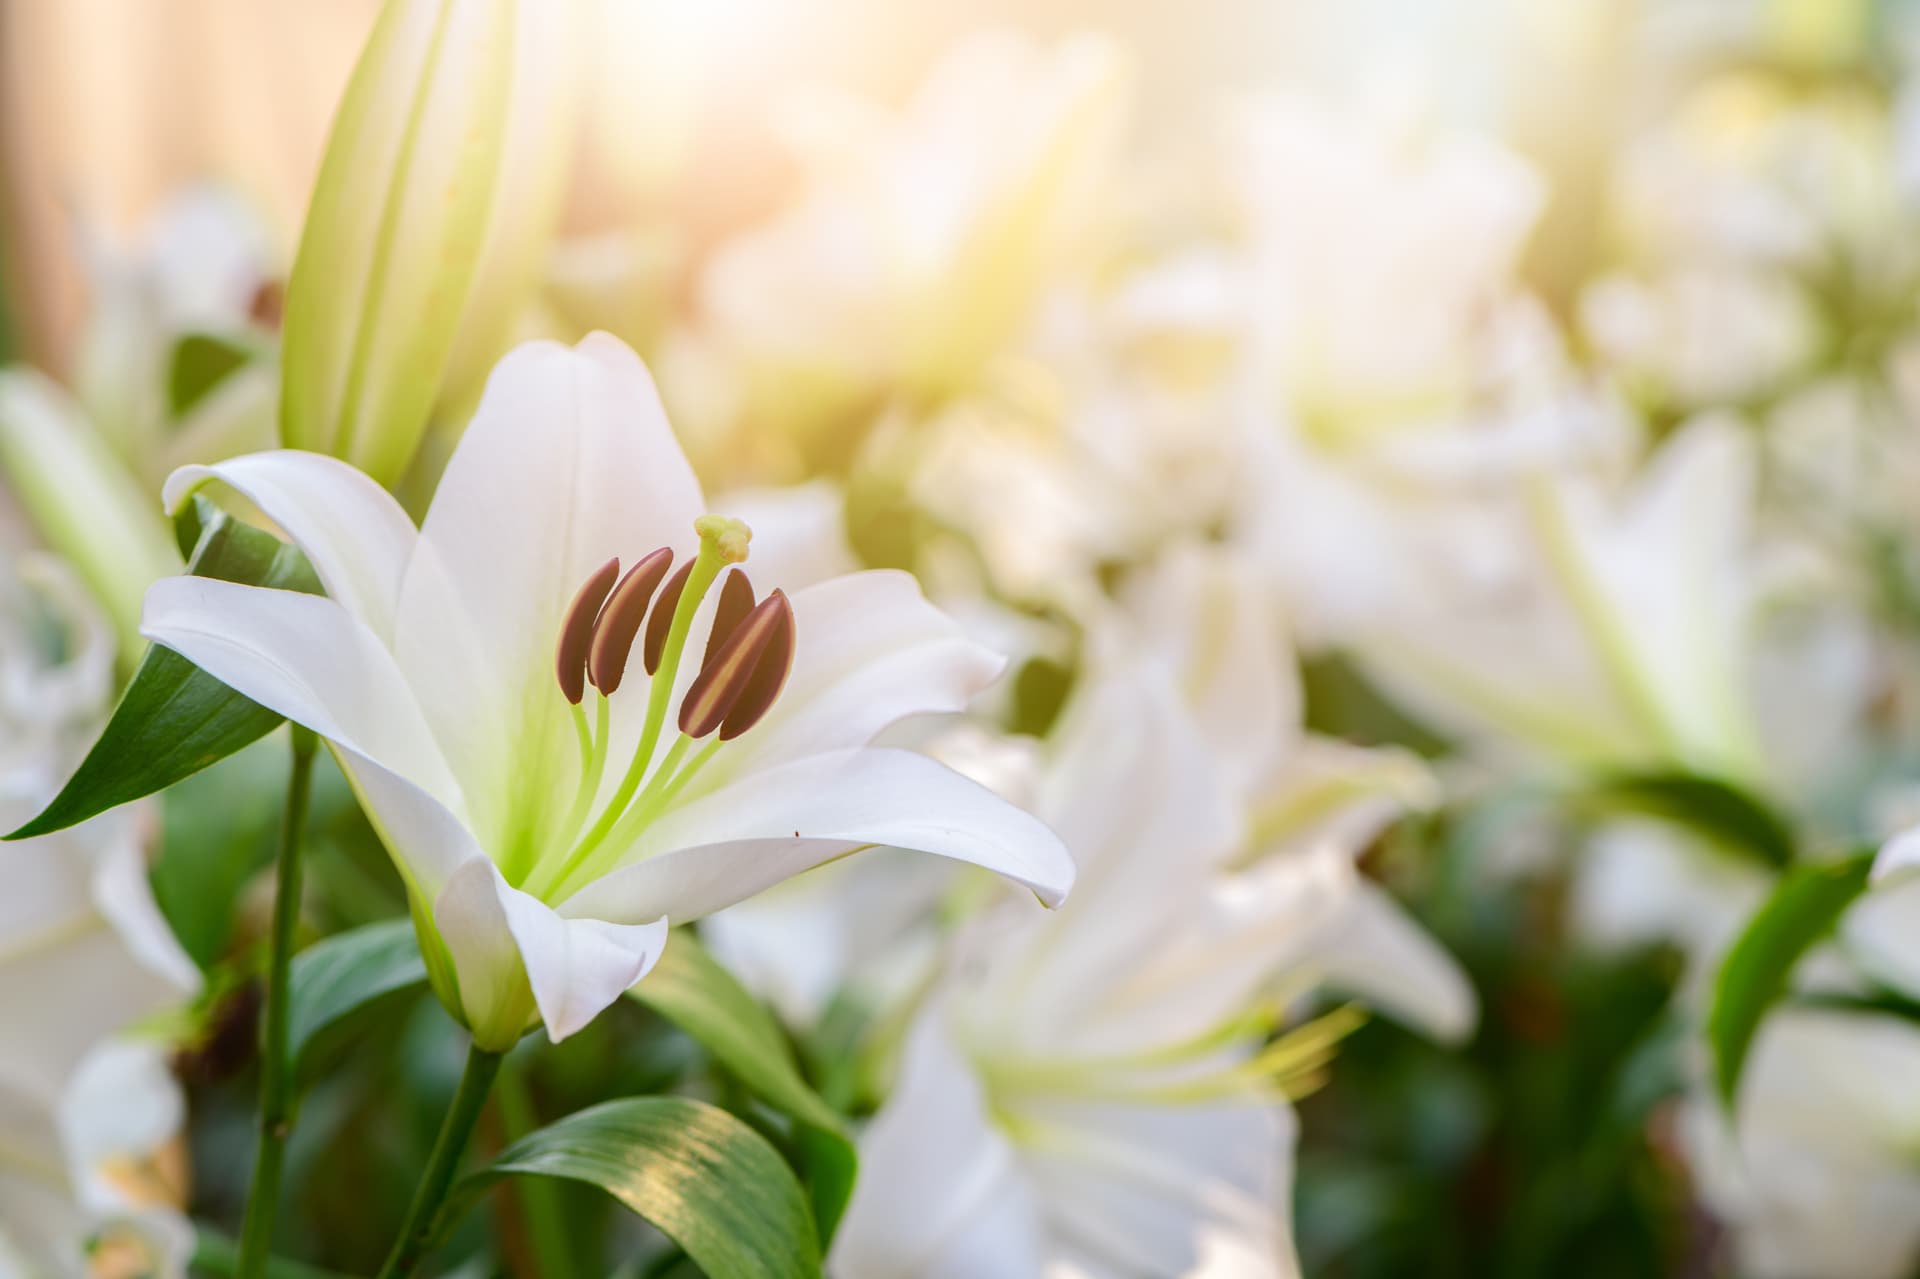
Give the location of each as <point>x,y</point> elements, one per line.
<point>416,1237</point>
<point>276,1075</point>
<point>539,1196</point>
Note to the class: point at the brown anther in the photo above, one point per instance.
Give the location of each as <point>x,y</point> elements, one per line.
<point>620,620</point>
<point>736,601</point>
<point>662,619</point>
<point>768,678</point>
<point>764,637</point>
<point>268,305</point>
<point>570,659</point>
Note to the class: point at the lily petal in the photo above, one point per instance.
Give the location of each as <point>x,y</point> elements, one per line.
<point>351,529</point>
<point>1899,856</point>
<point>942,1193</point>
<point>569,460</point>
<point>507,944</point>
<point>308,659</point>
<point>1380,955</point>
<point>773,825</point>
<point>869,650</point>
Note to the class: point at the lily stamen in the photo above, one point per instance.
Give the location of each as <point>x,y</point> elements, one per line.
<point>746,655</point>
<point>620,618</point>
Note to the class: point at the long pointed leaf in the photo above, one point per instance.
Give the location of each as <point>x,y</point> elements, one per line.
<point>175,719</point>
<point>1753,976</point>
<point>691,989</point>
<point>708,1181</point>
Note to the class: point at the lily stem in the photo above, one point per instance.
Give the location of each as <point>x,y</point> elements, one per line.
<point>416,1237</point>
<point>276,1074</point>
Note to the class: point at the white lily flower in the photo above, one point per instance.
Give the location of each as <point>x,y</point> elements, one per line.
<point>1404,382</point>
<point>1209,626</point>
<point>1815,1175</point>
<point>1733,215</point>
<point>1621,644</point>
<point>1093,1093</point>
<point>91,1163</point>
<point>546,846</point>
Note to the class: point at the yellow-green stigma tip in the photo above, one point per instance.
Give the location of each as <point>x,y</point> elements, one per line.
<point>727,536</point>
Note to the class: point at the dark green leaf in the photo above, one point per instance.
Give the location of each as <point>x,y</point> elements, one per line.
<point>1732,817</point>
<point>704,1178</point>
<point>175,719</point>
<point>201,362</point>
<point>691,989</point>
<point>345,974</point>
<point>1753,976</point>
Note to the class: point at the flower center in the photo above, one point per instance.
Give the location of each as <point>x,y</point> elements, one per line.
<point>748,654</point>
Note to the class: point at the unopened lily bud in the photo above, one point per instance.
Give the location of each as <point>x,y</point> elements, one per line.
<point>420,183</point>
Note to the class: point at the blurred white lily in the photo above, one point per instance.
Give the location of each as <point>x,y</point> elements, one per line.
<point>1210,627</point>
<point>1404,380</point>
<point>80,460</point>
<point>1095,1092</point>
<point>1621,644</point>
<point>1733,214</point>
<point>91,1164</point>
<point>545,846</point>
<point>921,242</point>
<point>1815,1174</point>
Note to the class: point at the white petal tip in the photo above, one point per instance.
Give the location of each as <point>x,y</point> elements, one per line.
<point>1899,857</point>
<point>182,485</point>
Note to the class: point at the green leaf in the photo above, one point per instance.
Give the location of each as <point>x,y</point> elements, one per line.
<point>708,1181</point>
<point>345,974</point>
<point>175,719</point>
<point>200,363</point>
<point>1727,814</point>
<point>692,990</point>
<point>1753,976</point>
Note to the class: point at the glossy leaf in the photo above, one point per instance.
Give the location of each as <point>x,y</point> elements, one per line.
<point>340,976</point>
<point>704,1178</point>
<point>694,991</point>
<point>175,719</point>
<point>1732,817</point>
<point>1753,977</point>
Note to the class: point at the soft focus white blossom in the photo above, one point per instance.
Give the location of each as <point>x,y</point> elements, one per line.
<point>91,1160</point>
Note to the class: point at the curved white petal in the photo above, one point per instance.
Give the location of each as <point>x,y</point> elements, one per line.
<point>1899,856</point>
<point>869,650</point>
<point>1377,953</point>
<point>941,1192</point>
<point>1212,623</point>
<point>773,825</point>
<point>308,659</point>
<point>354,533</point>
<point>122,1104</point>
<point>507,945</point>
<point>569,461</point>
<point>1159,1190</point>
